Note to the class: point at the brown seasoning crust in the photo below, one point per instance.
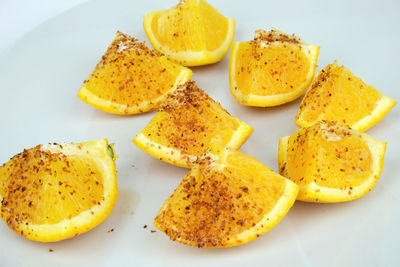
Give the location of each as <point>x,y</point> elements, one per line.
<point>275,36</point>
<point>195,119</point>
<point>122,43</point>
<point>187,96</point>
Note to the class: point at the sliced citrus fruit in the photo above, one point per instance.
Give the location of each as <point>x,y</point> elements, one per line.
<point>57,191</point>
<point>273,69</point>
<point>331,162</point>
<point>192,33</point>
<point>185,125</point>
<point>226,200</point>
<point>130,78</point>
<point>338,95</point>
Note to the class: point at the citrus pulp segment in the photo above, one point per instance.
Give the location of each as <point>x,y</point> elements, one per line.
<point>226,200</point>
<point>331,162</point>
<point>192,33</point>
<point>57,191</point>
<point>338,95</point>
<point>273,69</point>
<point>130,78</point>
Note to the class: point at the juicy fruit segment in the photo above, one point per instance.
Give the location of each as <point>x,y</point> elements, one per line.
<point>130,78</point>
<point>192,33</point>
<point>338,95</point>
<point>272,69</point>
<point>56,191</point>
<point>330,162</point>
<point>226,200</point>
<point>187,124</point>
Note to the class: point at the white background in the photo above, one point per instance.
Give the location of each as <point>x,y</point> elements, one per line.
<point>17,17</point>
<point>42,71</point>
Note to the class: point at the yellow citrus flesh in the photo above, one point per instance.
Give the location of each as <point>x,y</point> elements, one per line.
<point>130,78</point>
<point>338,95</point>
<point>224,201</point>
<point>186,125</point>
<point>57,191</point>
<point>192,33</point>
<point>272,69</point>
<point>331,162</point>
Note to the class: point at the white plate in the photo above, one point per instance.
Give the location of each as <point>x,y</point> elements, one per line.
<point>40,76</point>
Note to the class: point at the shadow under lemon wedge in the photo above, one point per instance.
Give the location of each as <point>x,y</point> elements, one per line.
<point>131,78</point>
<point>225,200</point>
<point>192,33</point>
<point>56,191</point>
<point>338,95</point>
<point>182,129</point>
<point>273,69</point>
<point>331,162</point>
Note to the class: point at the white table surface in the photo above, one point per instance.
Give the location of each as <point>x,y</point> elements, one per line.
<point>18,17</point>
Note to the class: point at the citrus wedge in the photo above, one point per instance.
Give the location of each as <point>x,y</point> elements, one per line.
<point>338,95</point>
<point>192,33</point>
<point>185,125</point>
<point>273,69</point>
<point>130,78</point>
<point>57,191</point>
<point>226,200</point>
<point>331,162</point>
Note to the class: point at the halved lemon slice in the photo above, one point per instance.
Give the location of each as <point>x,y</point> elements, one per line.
<point>185,124</point>
<point>272,69</point>
<point>57,191</point>
<point>193,33</point>
<point>130,78</point>
<point>226,200</point>
<point>331,162</point>
<point>338,95</point>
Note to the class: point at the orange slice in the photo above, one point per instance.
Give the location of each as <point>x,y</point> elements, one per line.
<point>185,125</point>
<point>224,201</point>
<point>192,33</point>
<point>57,191</point>
<point>338,95</point>
<point>273,69</point>
<point>130,78</point>
<point>330,162</point>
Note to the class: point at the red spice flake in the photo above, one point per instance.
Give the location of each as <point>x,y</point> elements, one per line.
<point>51,250</point>
<point>240,222</point>
<point>153,231</point>
<point>111,230</point>
<point>145,226</point>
